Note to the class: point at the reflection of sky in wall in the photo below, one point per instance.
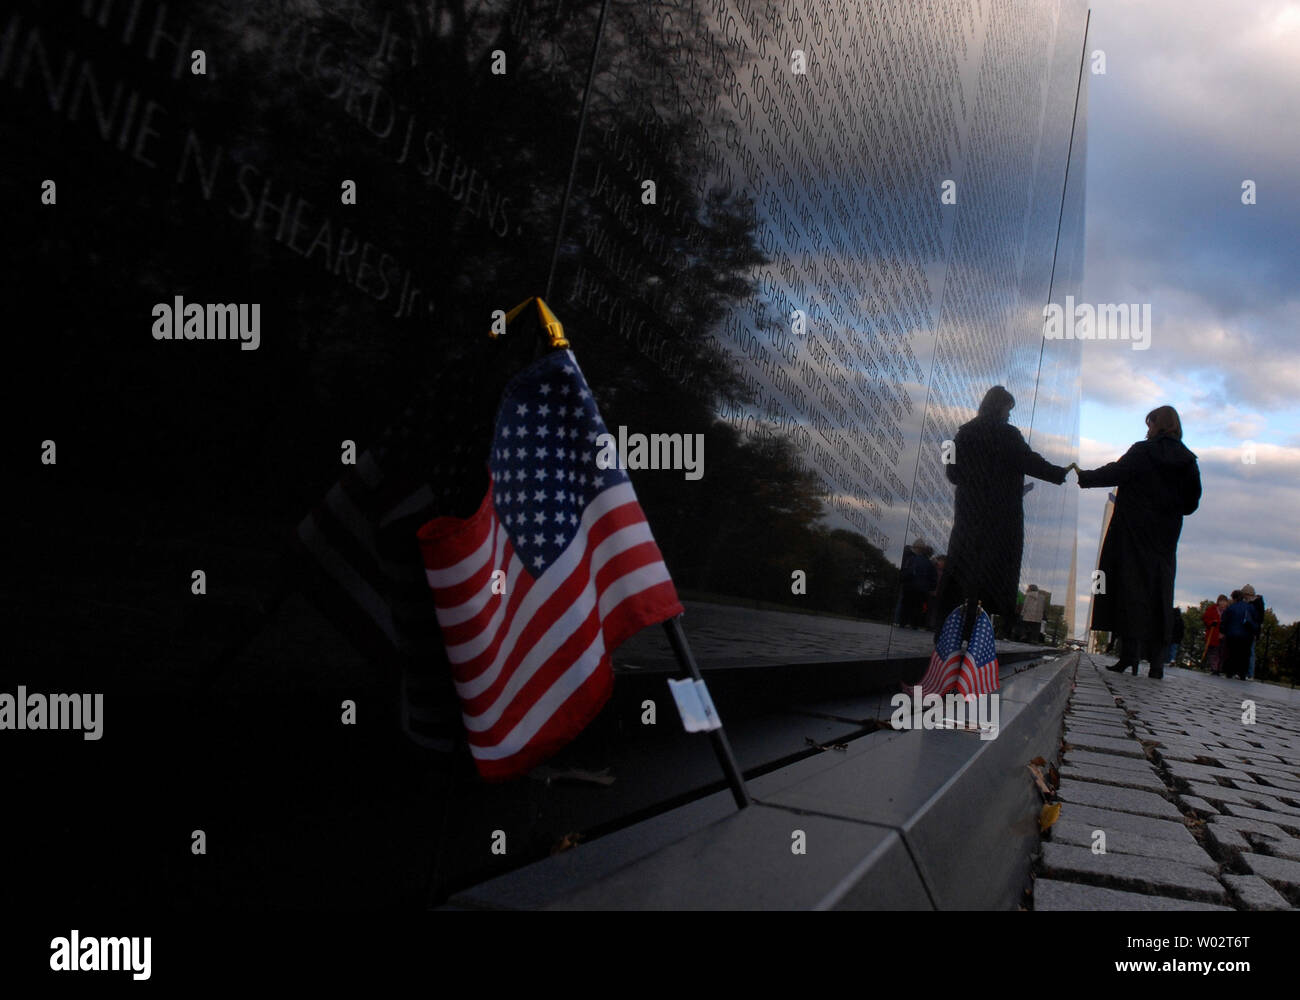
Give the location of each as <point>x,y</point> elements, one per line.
<point>1015,164</point>
<point>1198,96</point>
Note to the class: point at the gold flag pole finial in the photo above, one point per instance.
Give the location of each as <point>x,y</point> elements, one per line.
<point>553,327</point>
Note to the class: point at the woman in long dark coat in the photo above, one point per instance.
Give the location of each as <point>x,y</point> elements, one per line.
<point>988,525</point>
<point>1159,484</point>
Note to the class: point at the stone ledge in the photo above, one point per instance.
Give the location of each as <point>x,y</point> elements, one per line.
<point>906,820</point>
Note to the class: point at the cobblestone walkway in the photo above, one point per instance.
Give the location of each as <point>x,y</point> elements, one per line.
<point>1196,808</point>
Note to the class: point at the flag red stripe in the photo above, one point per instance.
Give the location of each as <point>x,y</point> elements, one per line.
<point>583,706</point>
<point>563,598</point>
<point>554,605</point>
<point>535,687</point>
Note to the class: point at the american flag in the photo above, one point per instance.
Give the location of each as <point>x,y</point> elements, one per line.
<point>555,569</point>
<point>972,671</point>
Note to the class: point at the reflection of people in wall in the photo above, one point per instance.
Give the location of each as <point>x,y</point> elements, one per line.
<point>1161,485</point>
<point>989,466</point>
<point>932,620</point>
<point>1032,613</point>
<point>917,580</point>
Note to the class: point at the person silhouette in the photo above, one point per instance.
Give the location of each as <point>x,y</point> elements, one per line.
<point>990,462</point>
<point>1160,484</point>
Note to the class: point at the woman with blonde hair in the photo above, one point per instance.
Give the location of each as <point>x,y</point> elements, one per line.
<point>1160,484</point>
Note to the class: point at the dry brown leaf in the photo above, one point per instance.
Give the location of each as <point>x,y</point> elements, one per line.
<point>1038,780</point>
<point>1053,777</point>
<point>1049,814</point>
<point>566,843</point>
<point>1039,761</point>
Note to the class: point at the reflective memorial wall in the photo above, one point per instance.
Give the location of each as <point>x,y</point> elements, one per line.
<point>814,233</point>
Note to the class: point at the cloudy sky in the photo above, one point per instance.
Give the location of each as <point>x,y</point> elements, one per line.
<point>1199,96</point>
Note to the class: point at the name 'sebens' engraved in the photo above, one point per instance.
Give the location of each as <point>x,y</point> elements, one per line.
<point>215,321</point>
<point>55,711</point>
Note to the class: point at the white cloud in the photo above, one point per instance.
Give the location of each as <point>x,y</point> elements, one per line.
<point>1245,531</point>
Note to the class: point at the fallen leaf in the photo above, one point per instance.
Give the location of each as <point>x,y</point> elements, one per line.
<point>566,843</point>
<point>1038,761</point>
<point>1038,780</point>
<point>1050,813</point>
<point>1053,777</point>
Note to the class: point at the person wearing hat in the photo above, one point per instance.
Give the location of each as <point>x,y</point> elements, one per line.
<point>1256,605</point>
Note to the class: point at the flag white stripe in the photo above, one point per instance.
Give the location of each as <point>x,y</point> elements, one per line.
<point>541,651</point>
<point>570,621</point>
<point>561,569</point>
<point>459,572</point>
<point>559,632</point>
<point>630,584</point>
<point>447,617</point>
<point>624,538</point>
<point>618,590</point>
<point>545,707</point>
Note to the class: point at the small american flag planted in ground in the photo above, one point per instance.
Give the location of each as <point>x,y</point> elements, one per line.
<point>972,671</point>
<point>555,569</point>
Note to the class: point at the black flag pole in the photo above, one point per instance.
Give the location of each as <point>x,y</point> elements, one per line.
<point>721,746</point>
